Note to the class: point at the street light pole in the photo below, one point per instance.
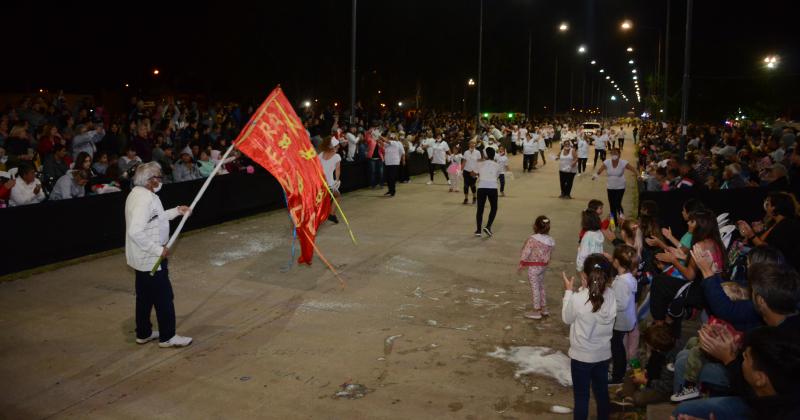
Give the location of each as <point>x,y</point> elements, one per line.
<point>480,62</point>
<point>666,66</point>
<point>687,51</point>
<point>528,100</point>
<point>353,68</point>
<point>555,86</point>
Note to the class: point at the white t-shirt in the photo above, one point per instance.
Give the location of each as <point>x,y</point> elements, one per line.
<point>439,152</point>
<point>583,148</point>
<point>471,158</point>
<point>488,170</point>
<point>329,166</point>
<point>427,143</point>
<point>600,142</point>
<point>616,176</point>
<point>529,147</point>
<point>624,287</point>
<point>542,144</point>
<point>565,162</point>
<point>392,151</point>
<point>501,160</point>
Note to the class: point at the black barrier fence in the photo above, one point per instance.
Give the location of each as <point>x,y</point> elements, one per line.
<point>55,231</point>
<point>741,204</point>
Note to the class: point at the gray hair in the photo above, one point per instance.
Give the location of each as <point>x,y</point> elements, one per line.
<point>145,172</point>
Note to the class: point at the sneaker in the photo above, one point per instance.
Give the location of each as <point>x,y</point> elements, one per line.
<point>686,393</point>
<point>465,201</point>
<point>153,336</point>
<point>387,193</point>
<point>429,183</point>
<point>176,341</point>
<point>545,312</point>
<point>671,367</point>
<point>488,231</point>
<point>533,315</point>
<point>333,219</point>
<point>449,182</point>
<point>477,232</point>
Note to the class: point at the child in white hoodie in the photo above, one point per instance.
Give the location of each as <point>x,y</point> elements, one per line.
<point>624,287</point>
<point>590,313</point>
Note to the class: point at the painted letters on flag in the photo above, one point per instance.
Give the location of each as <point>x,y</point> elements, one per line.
<point>276,139</point>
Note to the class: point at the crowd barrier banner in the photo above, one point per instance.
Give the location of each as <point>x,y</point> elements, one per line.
<point>741,204</point>
<point>55,231</point>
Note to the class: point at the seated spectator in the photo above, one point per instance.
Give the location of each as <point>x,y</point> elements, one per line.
<point>55,164</point>
<point>86,139</point>
<point>205,165</point>
<point>99,167</point>
<point>185,169</point>
<point>28,189</point>
<point>50,137</point>
<point>7,182</point>
<point>778,179</point>
<point>732,177</point>
<point>71,185</point>
<point>128,161</point>
<point>781,229</point>
<point>165,157</point>
<point>18,145</point>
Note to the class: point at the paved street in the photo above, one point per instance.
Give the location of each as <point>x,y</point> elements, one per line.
<point>424,303</point>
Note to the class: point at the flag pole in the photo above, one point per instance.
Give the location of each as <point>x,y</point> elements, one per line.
<point>199,195</point>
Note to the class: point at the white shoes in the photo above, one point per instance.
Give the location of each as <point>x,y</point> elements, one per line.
<point>176,341</point>
<point>686,393</point>
<point>449,182</point>
<point>153,336</point>
<point>429,183</point>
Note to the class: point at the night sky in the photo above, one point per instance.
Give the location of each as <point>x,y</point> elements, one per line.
<point>239,51</point>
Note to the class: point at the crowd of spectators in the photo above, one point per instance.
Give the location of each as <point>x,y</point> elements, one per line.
<point>729,156</point>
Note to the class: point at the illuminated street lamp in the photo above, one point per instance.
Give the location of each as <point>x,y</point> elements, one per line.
<point>613,98</point>
<point>771,61</point>
<point>563,27</point>
<point>581,49</point>
<point>400,104</point>
<point>626,25</point>
<point>156,72</point>
<point>602,70</point>
<point>633,71</point>
<point>594,62</point>
<point>307,104</point>
<point>630,61</point>
<point>471,82</point>
<point>630,49</point>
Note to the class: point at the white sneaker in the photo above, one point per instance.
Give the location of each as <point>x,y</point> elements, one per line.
<point>429,183</point>
<point>686,393</point>
<point>449,182</point>
<point>176,341</point>
<point>153,336</point>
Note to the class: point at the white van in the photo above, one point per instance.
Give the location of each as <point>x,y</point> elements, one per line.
<point>592,128</point>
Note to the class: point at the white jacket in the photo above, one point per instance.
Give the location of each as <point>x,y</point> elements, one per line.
<point>146,228</point>
<point>591,243</point>
<point>589,332</point>
<point>624,288</point>
<point>23,193</point>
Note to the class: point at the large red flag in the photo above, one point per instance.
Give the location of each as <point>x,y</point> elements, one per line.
<point>276,139</point>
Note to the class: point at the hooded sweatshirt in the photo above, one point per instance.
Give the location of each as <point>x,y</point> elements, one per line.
<point>589,332</point>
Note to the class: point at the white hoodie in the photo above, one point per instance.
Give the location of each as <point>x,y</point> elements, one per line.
<point>589,332</point>
<point>624,287</point>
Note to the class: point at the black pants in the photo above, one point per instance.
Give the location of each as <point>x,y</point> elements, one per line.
<point>582,165</point>
<point>566,179</point>
<point>615,203</point>
<point>391,172</point>
<point>528,162</point>
<point>662,293</point>
<point>155,291</point>
<point>404,174</point>
<point>601,154</point>
<point>620,143</point>
<point>434,166</point>
<point>502,179</point>
<point>469,182</point>
<point>619,357</point>
<point>483,194</point>
<point>544,161</point>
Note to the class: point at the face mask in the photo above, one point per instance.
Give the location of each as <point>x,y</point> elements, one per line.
<point>615,158</point>
<point>157,188</point>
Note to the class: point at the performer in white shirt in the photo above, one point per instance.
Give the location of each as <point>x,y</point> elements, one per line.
<point>502,159</point>
<point>470,166</point>
<point>487,171</point>
<point>542,146</point>
<point>394,154</point>
<point>583,154</point>
<point>438,152</point>
<point>331,162</point>
<point>352,138</point>
<point>600,147</point>
<point>530,148</point>
<point>146,234</point>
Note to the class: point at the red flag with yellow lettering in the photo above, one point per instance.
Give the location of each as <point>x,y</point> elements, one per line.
<point>276,139</point>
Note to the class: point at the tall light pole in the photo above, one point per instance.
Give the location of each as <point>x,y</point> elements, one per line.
<point>666,66</point>
<point>528,99</point>
<point>480,62</point>
<point>353,67</point>
<point>687,52</point>
<point>562,28</point>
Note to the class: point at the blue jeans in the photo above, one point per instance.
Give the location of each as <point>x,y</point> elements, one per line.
<point>375,172</point>
<point>721,407</point>
<point>711,373</point>
<point>596,375</point>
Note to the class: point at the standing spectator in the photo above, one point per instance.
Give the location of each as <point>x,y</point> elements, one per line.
<point>141,143</point>
<point>115,141</point>
<point>86,139</point>
<point>70,185</point>
<point>27,190</point>
<point>375,157</point>
<point>50,137</point>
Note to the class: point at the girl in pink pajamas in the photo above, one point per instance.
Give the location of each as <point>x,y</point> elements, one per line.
<point>536,257</point>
